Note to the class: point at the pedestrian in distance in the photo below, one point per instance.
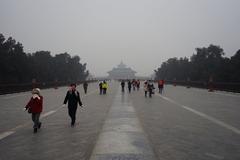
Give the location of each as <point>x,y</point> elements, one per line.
<point>134,84</point>
<point>73,99</point>
<point>129,86</point>
<point>145,87</point>
<point>100,88</point>
<point>104,87</point>
<point>161,86</point>
<point>123,85</point>
<point>85,87</point>
<point>34,107</point>
<point>150,89</point>
<point>138,85</point>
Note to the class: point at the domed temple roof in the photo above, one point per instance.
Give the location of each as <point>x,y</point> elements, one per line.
<point>122,72</point>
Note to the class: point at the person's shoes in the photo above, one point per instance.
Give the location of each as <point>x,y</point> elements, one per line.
<point>39,125</point>
<point>72,124</point>
<point>35,130</point>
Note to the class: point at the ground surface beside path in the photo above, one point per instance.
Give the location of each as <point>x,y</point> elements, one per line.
<point>181,124</point>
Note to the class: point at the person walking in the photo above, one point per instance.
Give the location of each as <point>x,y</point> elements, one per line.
<point>85,87</point>
<point>73,99</point>
<point>134,84</point>
<point>145,88</point>
<point>138,85</point>
<point>160,85</point>
<point>100,88</point>
<point>35,107</point>
<point>129,86</point>
<point>104,87</point>
<point>150,89</point>
<point>123,85</point>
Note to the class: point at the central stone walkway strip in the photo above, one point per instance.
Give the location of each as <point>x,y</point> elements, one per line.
<point>122,137</point>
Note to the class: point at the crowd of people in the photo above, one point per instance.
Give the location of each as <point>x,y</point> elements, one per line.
<point>135,84</point>
<point>148,86</point>
<point>72,98</point>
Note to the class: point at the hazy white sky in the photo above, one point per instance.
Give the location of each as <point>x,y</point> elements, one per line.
<point>141,33</point>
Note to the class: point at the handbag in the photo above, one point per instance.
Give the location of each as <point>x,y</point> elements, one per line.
<point>29,110</point>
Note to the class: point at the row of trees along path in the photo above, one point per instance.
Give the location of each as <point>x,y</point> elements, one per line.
<point>206,63</point>
<point>18,67</point>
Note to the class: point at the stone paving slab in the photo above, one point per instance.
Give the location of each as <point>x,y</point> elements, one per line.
<point>122,137</point>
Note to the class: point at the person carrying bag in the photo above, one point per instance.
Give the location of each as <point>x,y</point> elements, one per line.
<point>34,107</point>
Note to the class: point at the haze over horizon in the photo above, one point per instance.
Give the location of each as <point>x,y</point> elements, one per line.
<point>141,33</point>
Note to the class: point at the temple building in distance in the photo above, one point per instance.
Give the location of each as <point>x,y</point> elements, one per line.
<point>122,72</point>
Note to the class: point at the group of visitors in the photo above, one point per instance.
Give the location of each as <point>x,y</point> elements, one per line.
<point>149,88</point>
<point>35,104</point>
<point>103,86</point>
<point>135,84</point>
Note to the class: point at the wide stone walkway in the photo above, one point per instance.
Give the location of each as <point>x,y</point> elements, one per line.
<point>122,137</point>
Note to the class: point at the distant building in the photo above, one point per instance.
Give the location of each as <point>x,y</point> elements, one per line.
<point>122,72</point>
<point>90,77</point>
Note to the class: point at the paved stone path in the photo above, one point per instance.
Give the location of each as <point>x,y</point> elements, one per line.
<point>122,137</point>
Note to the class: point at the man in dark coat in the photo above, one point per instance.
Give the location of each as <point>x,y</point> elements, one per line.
<point>85,86</point>
<point>129,86</point>
<point>123,85</point>
<point>73,98</point>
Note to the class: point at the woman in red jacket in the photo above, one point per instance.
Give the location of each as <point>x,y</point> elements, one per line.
<point>34,107</point>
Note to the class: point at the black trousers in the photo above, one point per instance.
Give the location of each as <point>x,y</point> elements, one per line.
<point>123,88</point>
<point>85,90</point>
<point>72,113</point>
<point>35,119</point>
<point>150,93</point>
<point>104,90</point>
